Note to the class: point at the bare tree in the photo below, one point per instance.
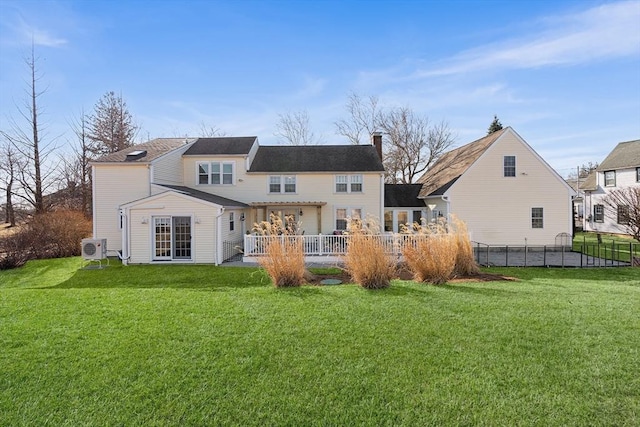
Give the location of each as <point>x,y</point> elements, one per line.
<point>111,127</point>
<point>293,128</point>
<point>209,131</point>
<point>623,206</point>
<point>33,176</point>
<point>9,166</point>
<point>411,144</point>
<point>362,119</point>
<point>76,172</point>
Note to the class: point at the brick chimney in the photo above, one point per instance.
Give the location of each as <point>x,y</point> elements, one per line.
<point>376,141</point>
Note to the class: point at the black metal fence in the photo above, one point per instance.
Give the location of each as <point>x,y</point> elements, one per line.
<point>580,255</point>
<point>231,248</point>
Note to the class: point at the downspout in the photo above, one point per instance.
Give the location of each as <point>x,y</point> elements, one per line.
<point>124,219</point>
<point>94,211</point>
<point>219,236</point>
<point>446,200</point>
<point>382,200</point>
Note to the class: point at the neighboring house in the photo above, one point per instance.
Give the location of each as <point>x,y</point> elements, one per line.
<point>621,169</point>
<point>192,200</point>
<point>504,191</point>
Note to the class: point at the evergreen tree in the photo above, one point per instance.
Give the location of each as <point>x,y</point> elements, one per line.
<point>495,125</point>
<point>111,126</point>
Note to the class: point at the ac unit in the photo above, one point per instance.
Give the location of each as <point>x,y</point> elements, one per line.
<point>94,249</point>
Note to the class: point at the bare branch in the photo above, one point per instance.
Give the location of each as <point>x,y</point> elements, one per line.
<point>293,128</point>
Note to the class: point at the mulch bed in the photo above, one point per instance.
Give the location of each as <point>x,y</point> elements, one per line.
<point>405,274</point>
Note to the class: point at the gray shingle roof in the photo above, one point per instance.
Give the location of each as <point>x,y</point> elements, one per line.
<point>625,155</point>
<point>451,165</point>
<point>154,148</point>
<point>207,197</point>
<point>402,195</point>
<point>228,145</point>
<point>317,158</point>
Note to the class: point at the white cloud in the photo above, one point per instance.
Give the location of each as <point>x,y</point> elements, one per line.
<point>606,31</point>
<point>21,32</point>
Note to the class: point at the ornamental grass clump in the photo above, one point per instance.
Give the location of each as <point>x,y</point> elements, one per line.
<point>465,262</point>
<point>284,255</point>
<point>366,259</point>
<point>431,252</point>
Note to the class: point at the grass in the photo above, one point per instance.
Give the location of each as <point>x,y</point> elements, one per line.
<point>203,345</point>
<point>611,247</point>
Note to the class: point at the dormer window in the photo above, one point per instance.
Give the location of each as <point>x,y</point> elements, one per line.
<point>215,173</point>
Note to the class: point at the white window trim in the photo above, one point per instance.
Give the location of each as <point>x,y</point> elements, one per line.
<point>348,183</point>
<point>152,240</point>
<point>222,163</point>
<point>283,180</point>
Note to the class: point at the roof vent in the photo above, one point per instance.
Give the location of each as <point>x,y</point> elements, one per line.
<point>135,155</point>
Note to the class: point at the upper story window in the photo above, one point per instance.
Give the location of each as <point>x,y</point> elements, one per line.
<point>509,165</point>
<point>610,179</point>
<point>282,184</point>
<point>348,184</point>
<point>216,173</point>
<point>537,218</point>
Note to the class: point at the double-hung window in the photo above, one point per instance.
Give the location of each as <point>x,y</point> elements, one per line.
<point>215,173</point>
<point>348,184</point>
<point>537,218</point>
<point>509,165</point>
<point>623,214</point>
<point>343,215</point>
<point>282,184</point>
<point>232,222</point>
<point>598,213</point>
<point>610,179</point>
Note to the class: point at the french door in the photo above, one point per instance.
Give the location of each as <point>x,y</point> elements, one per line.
<point>171,238</point>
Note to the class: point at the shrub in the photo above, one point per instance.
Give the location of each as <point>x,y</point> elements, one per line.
<point>366,259</point>
<point>284,259</point>
<point>54,234</point>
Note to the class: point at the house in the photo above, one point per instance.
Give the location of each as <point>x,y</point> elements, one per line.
<point>193,200</point>
<point>503,190</point>
<point>619,170</point>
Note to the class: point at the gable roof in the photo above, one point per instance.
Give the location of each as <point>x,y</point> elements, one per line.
<point>154,149</point>
<point>624,155</point>
<point>402,195</point>
<point>317,158</point>
<point>207,197</point>
<point>451,165</point>
<point>227,145</point>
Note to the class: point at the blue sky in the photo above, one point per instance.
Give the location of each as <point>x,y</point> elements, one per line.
<point>564,74</point>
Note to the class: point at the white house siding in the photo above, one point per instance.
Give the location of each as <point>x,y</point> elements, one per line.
<point>203,223</point>
<point>624,178</point>
<point>167,169</point>
<point>497,209</point>
<point>311,187</point>
<point>114,185</point>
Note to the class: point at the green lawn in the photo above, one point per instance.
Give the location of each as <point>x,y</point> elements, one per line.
<point>609,247</point>
<point>203,345</point>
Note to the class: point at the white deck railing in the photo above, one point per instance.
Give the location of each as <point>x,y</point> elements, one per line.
<point>327,245</point>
